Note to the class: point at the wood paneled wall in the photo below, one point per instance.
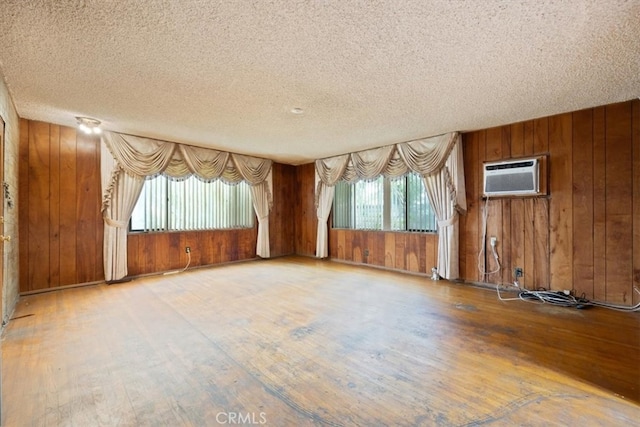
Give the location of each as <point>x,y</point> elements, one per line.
<point>306,223</point>
<point>585,235</point>
<point>282,216</point>
<point>414,252</point>
<point>61,229</point>
<point>157,252</point>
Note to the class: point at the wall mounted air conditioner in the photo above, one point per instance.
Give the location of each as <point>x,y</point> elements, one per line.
<point>512,178</point>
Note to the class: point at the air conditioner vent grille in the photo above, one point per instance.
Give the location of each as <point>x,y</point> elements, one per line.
<point>511,178</point>
<point>510,183</point>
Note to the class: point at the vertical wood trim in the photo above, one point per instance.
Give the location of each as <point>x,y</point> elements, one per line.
<point>541,255</point>
<point>87,206</point>
<point>54,206</point>
<point>341,244</point>
<point>68,200</point>
<point>493,144</point>
<point>389,250</point>
<point>561,206</point>
<point>505,137</point>
<point>162,256</point>
<point>132,255</point>
<point>528,131</point>
<point>401,244</point>
<point>619,195</point>
<point>599,204</point>
<point>494,229</point>
<point>431,252</point>
<point>582,168</point>
<point>23,212</point>
<point>306,219</point>
<point>635,135</point>
<point>39,233</point>
<point>413,256</point>
<point>98,221</point>
<point>517,139</point>
<point>282,216</point>
<point>505,236</point>
<point>176,251</point>
<point>506,242</point>
<point>529,279</point>
<point>481,261</point>
<point>517,241</point>
<point>333,242</point>
<point>470,229</point>
<point>541,135</point>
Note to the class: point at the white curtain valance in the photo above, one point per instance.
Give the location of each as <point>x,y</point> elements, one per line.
<point>146,157</point>
<point>423,156</point>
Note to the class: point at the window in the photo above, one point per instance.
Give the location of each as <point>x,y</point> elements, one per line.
<point>191,204</point>
<point>383,204</point>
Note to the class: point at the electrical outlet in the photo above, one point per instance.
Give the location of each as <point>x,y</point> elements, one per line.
<point>517,272</point>
<point>494,240</point>
<point>187,249</point>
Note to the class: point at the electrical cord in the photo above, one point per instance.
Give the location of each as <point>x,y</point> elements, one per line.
<point>564,299</point>
<point>481,267</point>
<point>185,267</point>
<point>188,262</point>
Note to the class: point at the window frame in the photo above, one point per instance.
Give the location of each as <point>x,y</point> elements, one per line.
<point>168,206</point>
<point>386,208</point>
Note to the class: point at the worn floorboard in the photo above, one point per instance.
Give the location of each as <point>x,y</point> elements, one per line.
<point>296,341</point>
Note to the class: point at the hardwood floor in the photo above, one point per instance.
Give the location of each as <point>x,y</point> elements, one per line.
<point>297,341</point>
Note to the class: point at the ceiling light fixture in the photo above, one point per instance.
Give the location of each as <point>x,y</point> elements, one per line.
<point>297,110</point>
<point>89,125</point>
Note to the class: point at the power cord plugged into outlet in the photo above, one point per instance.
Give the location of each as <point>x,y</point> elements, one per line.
<point>517,274</point>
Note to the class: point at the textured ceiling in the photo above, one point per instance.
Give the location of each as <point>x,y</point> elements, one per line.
<point>226,74</point>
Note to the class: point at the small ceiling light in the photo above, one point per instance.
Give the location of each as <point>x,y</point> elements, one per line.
<point>89,125</point>
<point>297,110</point>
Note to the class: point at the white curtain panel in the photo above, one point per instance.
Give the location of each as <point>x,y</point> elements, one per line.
<point>127,160</point>
<point>261,197</point>
<point>437,159</point>
<point>437,186</point>
<point>323,208</point>
<point>116,222</point>
<point>124,190</point>
<point>446,192</point>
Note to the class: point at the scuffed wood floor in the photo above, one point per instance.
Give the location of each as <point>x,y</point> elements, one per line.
<point>297,341</point>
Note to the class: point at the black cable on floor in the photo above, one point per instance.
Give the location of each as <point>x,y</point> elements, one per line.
<point>564,299</point>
